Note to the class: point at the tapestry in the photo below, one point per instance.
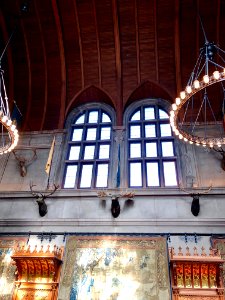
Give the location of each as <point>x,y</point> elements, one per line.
<point>115,268</point>
<point>7,268</point>
<point>219,243</point>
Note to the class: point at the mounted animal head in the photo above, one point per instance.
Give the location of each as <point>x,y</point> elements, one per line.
<point>40,199</point>
<point>23,162</point>
<point>115,204</point>
<point>195,194</point>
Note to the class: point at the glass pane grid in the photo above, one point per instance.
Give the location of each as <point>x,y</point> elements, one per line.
<point>149,127</point>
<point>89,150</point>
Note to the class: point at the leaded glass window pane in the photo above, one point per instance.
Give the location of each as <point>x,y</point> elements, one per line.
<point>105,118</point>
<point>167,149</point>
<point>74,153</point>
<point>135,174</point>
<point>151,149</point>
<point>104,151</point>
<point>105,133</point>
<point>86,176</point>
<point>149,113</point>
<point>152,174</point>
<point>70,177</point>
<point>170,173</point>
<point>77,134</point>
<point>91,134</point>
<point>165,130</point>
<point>80,120</point>
<point>89,152</point>
<point>163,114</point>
<point>93,117</point>
<point>102,175</point>
<point>150,131</point>
<point>136,116</point>
<point>135,150</point>
<point>135,131</point>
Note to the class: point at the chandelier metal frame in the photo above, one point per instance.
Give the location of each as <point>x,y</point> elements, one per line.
<point>206,72</point>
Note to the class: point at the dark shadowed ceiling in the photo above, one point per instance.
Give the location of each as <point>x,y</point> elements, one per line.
<point>68,52</point>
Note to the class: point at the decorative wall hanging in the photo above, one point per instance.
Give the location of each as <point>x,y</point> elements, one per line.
<point>38,273</point>
<point>196,276</point>
<point>7,269</point>
<point>115,267</point>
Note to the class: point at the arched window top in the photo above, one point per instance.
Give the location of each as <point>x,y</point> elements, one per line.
<point>91,113</point>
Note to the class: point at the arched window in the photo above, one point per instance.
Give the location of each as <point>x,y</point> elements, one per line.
<point>151,152</point>
<point>87,163</point>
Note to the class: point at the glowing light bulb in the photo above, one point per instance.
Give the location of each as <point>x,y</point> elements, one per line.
<point>196,84</point>
<point>191,142</point>
<point>216,74</point>
<point>9,122</point>
<point>177,101</point>
<point>185,139</point>
<point>206,78</point>
<point>182,95</point>
<point>4,119</point>
<point>176,132</point>
<point>172,113</point>
<point>174,107</point>
<point>13,127</point>
<point>188,89</point>
<point>180,136</point>
<point>211,145</point>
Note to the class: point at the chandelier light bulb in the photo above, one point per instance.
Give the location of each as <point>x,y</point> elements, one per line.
<point>191,142</point>
<point>196,84</point>
<point>211,145</point>
<point>176,132</point>
<point>180,136</point>
<point>9,122</point>
<point>172,113</point>
<point>216,74</point>
<point>4,119</point>
<point>174,106</point>
<point>182,95</point>
<point>177,101</point>
<point>189,89</point>
<point>185,139</point>
<point>206,78</point>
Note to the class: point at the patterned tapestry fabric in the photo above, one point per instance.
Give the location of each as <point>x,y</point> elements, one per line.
<point>115,268</point>
<point>7,269</point>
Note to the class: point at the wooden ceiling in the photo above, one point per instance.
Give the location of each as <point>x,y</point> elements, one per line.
<point>68,52</point>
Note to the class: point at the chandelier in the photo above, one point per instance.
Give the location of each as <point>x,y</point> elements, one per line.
<point>8,133</point>
<point>194,117</point>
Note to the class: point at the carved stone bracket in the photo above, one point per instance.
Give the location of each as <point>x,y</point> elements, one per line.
<point>37,272</point>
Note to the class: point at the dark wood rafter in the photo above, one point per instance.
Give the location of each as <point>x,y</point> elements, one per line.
<point>197,29</point>
<point>156,41</point>
<point>98,45</point>
<point>218,23</point>
<point>80,45</point>
<point>10,62</point>
<point>62,62</point>
<point>137,43</point>
<point>118,62</point>
<point>177,46</point>
<point>45,69</point>
<point>26,123</point>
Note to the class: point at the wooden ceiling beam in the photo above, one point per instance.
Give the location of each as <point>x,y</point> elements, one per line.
<point>119,100</point>
<point>98,45</point>
<point>62,62</point>
<point>80,45</point>
<point>45,69</point>
<point>177,46</point>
